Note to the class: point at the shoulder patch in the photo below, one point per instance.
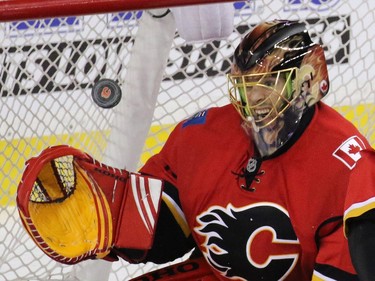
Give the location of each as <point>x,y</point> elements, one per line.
<point>197,118</point>
<point>349,151</point>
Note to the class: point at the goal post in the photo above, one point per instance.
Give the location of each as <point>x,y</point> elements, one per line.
<point>51,56</point>
<point>38,9</point>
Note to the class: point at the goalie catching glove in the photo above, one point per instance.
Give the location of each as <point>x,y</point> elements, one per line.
<point>76,208</point>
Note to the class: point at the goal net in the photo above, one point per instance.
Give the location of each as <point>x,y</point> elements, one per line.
<point>49,65</point>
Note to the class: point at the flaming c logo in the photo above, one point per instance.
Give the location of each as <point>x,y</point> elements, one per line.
<point>256,242</point>
<point>106,92</point>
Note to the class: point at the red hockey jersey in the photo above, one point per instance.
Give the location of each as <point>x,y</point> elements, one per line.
<point>288,223</point>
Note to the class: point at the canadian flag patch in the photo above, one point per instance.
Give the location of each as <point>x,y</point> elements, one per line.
<point>349,151</point>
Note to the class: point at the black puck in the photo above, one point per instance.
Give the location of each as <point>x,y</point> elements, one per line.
<point>106,93</point>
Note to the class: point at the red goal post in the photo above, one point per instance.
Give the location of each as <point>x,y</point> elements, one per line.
<point>52,52</point>
<point>26,9</point>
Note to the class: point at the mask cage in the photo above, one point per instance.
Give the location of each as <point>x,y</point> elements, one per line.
<point>280,97</point>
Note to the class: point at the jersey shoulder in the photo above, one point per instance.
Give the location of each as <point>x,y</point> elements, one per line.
<point>212,116</point>
<point>332,134</point>
<point>331,125</point>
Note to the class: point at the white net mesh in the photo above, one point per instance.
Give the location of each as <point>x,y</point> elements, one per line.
<point>48,67</point>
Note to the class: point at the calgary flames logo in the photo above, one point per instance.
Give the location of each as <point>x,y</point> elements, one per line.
<point>256,242</point>
<point>106,93</point>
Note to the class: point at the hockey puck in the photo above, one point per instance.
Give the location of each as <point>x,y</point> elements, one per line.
<point>106,93</point>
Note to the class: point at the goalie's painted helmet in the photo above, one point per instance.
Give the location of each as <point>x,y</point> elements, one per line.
<point>279,60</point>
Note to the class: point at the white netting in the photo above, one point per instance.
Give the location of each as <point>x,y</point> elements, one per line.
<point>48,67</point>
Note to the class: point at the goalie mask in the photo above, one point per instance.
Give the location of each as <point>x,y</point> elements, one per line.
<point>277,73</point>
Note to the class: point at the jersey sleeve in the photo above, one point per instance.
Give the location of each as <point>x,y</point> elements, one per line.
<point>333,261</point>
<point>164,164</point>
<point>173,236</point>
<point>361,188</point>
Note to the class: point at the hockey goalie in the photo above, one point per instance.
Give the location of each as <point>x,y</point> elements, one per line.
<point>275,186</point>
